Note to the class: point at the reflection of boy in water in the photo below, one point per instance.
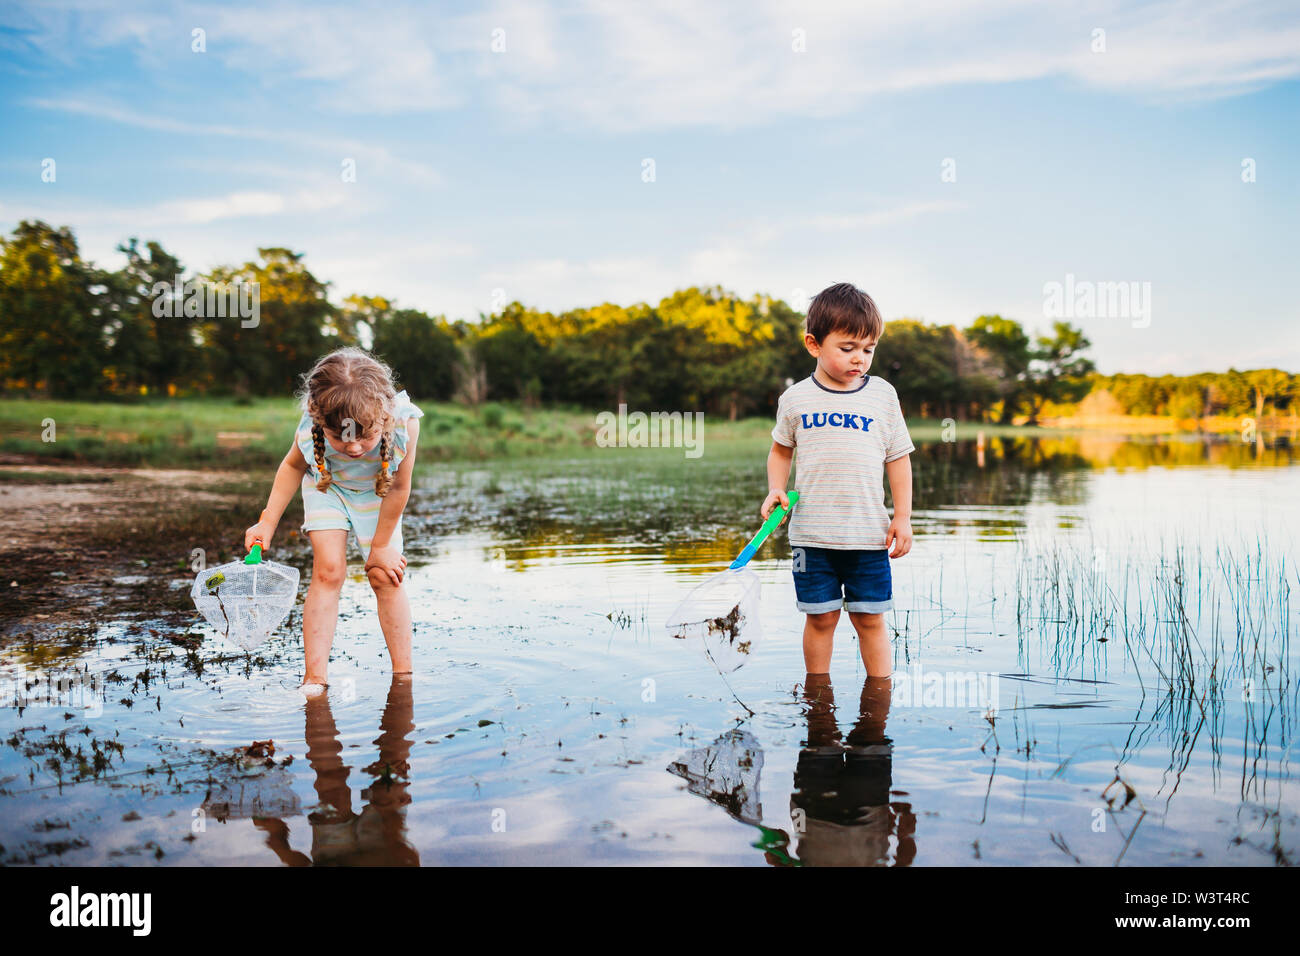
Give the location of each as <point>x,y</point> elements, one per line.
<point>376,836</point>
<point>840,805</point>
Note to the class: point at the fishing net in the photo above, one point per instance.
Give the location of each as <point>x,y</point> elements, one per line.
<point>246,602</point>
<point>720,616</point>
<point>726,773</point>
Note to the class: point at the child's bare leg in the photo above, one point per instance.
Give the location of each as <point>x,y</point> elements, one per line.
<point>872,642</point>
<point>818,639</point>
<point>394,618</point>
<point>320,612</point>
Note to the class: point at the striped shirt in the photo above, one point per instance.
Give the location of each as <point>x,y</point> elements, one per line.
<point>357,475</point>
<point>843,440</point>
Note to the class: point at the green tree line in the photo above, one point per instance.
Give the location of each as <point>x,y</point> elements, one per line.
<point>71,330</point>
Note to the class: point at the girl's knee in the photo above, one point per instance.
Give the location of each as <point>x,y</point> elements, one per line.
<point>329,573</point>
<point>380,580</point>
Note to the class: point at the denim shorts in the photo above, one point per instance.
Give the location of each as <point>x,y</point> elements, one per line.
<point>860,581</point>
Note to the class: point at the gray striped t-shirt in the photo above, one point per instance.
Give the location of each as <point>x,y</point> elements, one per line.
<point>842,441</point>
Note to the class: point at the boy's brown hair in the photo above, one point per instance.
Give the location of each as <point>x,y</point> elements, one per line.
<point>843,307</point>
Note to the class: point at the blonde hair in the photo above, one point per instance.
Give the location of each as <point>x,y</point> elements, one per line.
<point>350,384</point>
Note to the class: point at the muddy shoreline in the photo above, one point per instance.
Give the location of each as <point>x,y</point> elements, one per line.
<point>84,542</point>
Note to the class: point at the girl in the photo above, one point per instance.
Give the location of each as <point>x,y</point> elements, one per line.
<point>352,455</point>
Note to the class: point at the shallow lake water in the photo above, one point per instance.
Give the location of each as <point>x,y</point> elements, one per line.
<point>1092,664</point>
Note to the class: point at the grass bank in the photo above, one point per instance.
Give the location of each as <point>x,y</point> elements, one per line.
<point>226,434</point>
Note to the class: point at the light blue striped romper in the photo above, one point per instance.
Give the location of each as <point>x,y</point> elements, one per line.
<point>350,502</point>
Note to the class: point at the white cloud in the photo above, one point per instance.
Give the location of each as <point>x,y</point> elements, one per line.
<point>425,275</point>
<point>558,283</point>
<point>615,65</point>
<point>369,155</point>
<point>883,217</point>
<point>716,261</point>
<point>194,210</point>
<point>238,205</point>
<point>681,63</point>
<point>357,58</point>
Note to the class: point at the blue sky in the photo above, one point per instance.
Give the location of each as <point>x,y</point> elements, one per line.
<point>518,173</point>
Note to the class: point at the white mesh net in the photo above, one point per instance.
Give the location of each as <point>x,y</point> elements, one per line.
<point>720,616</point>
<point>246,602</point>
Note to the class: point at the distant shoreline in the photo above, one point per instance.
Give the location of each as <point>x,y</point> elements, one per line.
<point>209,433</point>
<point>1142,424</point>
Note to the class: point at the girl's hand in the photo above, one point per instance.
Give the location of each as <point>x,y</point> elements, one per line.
<point>900,534</point>
<point>389,560</point>
<point>260,533</point>
<point>775,497</point>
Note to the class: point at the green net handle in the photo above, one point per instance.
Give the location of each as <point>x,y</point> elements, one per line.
<point>255,552</point>
<point>775,518</point>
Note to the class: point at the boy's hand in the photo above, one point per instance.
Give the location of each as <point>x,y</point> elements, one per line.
<point>260,533</point>
<point>390,560</point>
<point>900,535</point>
<point>775,497</point>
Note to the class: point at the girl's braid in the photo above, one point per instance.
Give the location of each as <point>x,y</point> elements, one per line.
<point>383,480</point>
<point>318,444</point>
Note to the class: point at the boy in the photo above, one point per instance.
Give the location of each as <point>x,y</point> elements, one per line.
<point>848,428</point>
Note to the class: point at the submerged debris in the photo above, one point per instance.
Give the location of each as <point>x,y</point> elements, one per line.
<point>248,782</point>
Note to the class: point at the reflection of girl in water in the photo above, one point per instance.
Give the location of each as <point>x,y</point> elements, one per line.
<point>377,835</point>
<point>840,805</point>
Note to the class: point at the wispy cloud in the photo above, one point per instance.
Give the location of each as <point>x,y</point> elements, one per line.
<point>189,211</point>
<point>741,63</point>
<point>238,205</point>
<point>678,63</point>
<point>384,161</point>
<point>884,217</point>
